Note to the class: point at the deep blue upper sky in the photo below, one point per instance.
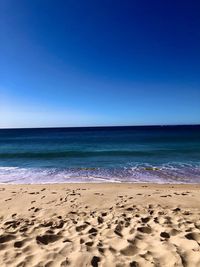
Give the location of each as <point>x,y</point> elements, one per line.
<point>79,63</point>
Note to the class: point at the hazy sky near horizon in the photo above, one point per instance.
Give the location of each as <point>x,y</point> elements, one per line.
<point>81,63</point>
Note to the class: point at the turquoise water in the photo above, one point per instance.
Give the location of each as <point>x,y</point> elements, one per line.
<point>163,154</point>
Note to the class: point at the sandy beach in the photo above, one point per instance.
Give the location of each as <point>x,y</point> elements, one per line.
<point>100,225</point>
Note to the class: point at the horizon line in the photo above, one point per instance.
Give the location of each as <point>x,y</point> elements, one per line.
<point>99,126</point>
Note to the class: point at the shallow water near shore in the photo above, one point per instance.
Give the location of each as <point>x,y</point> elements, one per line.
<point>158,154</point>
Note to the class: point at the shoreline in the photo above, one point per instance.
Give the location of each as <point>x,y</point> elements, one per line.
<point>136,184</point>
<point>100,225</point>
<point>101,183</point>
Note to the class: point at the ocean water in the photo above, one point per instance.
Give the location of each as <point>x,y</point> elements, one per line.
<point>160,154</point>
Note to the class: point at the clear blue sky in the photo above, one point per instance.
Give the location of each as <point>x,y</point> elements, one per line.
<point>80,63</point>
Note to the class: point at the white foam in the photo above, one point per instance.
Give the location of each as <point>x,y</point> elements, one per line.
<point>145,173</point>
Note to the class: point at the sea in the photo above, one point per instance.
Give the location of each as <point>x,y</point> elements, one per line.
<point>139,154</point>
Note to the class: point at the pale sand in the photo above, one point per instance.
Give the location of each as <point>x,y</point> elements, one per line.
<point>100,225</point>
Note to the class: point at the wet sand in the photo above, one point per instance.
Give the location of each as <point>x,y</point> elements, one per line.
<point>100,225</point>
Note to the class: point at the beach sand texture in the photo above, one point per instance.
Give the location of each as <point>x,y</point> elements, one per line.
<point>100,225</point>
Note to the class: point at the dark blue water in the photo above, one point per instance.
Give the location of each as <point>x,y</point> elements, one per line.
<point>166,154</point>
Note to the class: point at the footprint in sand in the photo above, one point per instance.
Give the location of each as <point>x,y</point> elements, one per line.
<point>95,261</point>
<point>193,236</point>
<point>18,244</point>
<point>81,227</point>
<point>8,199</point>
<point>100,220</point>
<point>164,235</point>
<point>145,220</point>
<point>134,264</point>
<point>46,239</point>
<point>145,229</point>
<point>129,250</point>
<point>92,231</point>
<point>6,238</point>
